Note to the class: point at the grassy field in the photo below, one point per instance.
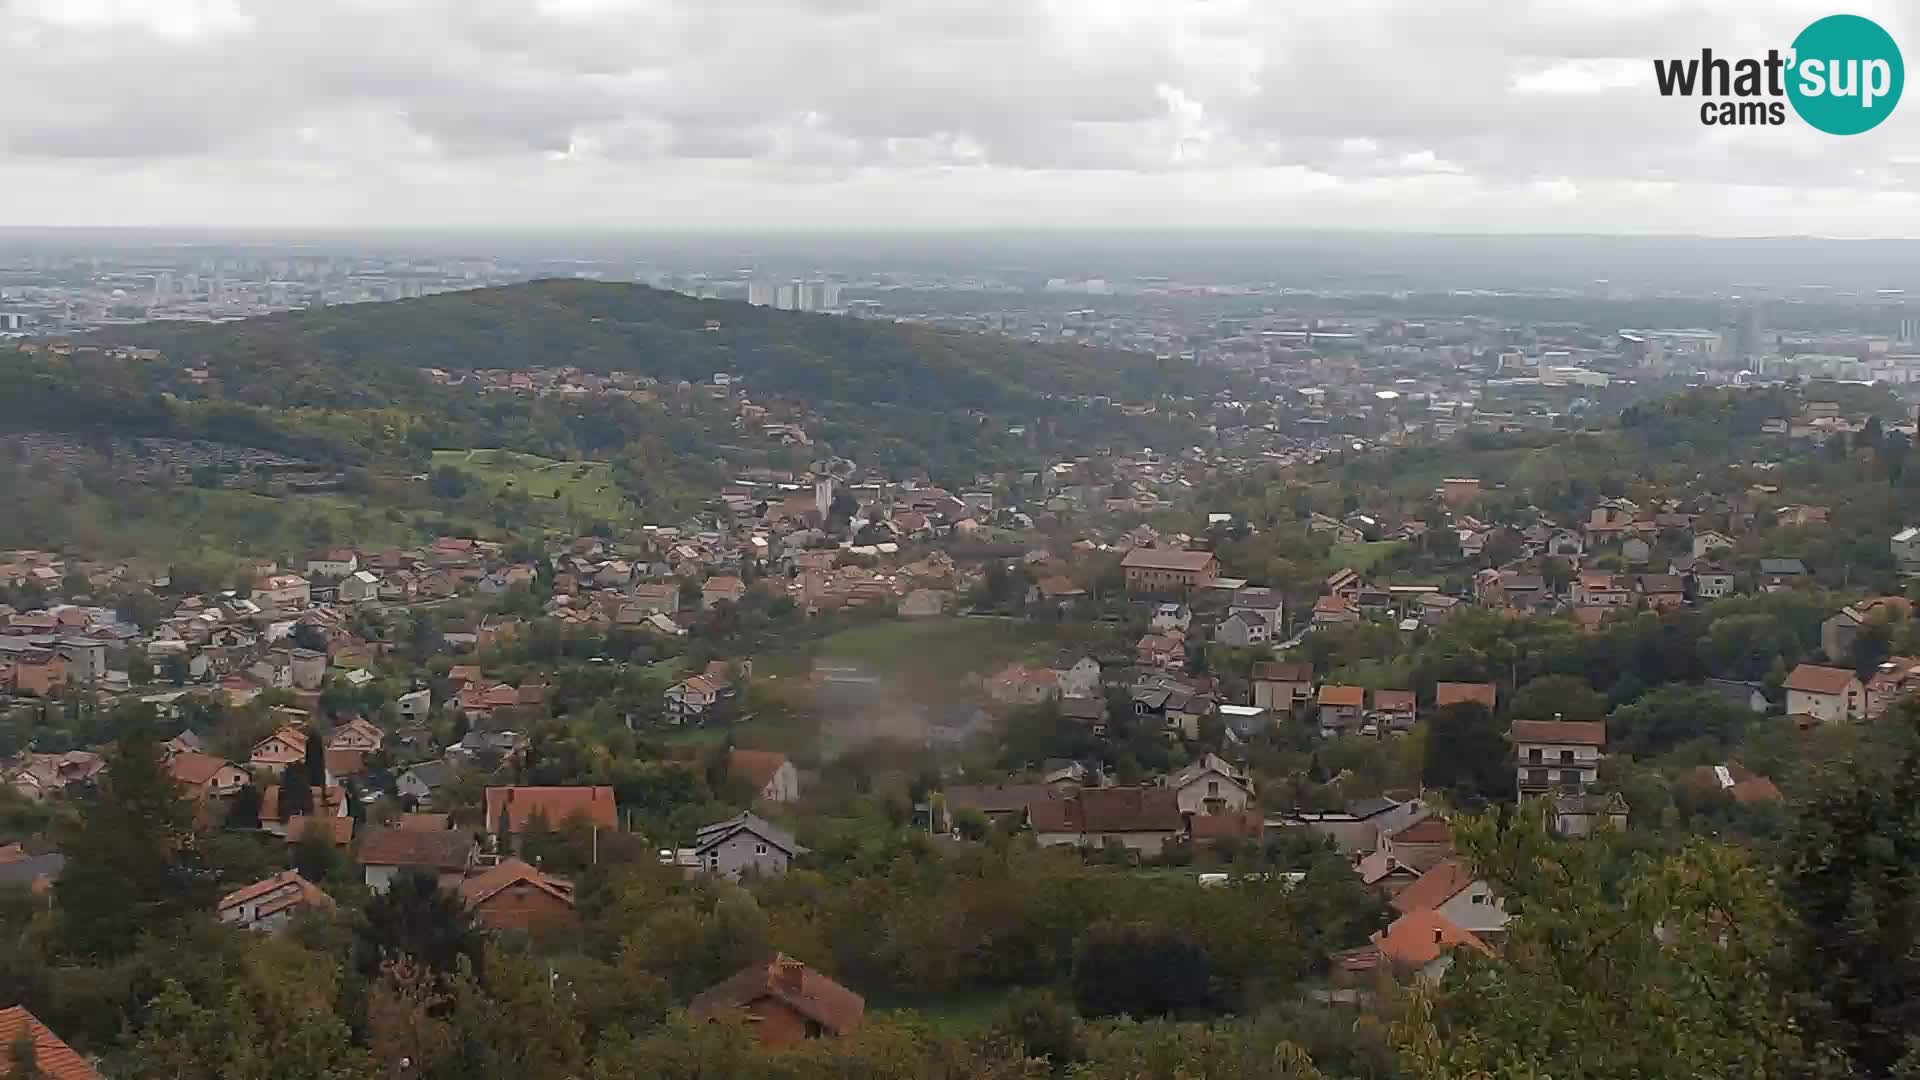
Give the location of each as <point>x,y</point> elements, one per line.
<point>587,485</point>
<point>931,646</point>
<point>960,1013</point>
<point>1363,555</point>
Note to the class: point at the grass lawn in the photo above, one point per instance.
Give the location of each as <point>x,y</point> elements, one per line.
<point>587,485</point>
<point>963,1012</point>
<point>1361,556</point>
<point>931,646</point>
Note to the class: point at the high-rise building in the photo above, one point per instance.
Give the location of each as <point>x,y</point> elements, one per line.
<point>762,293</point>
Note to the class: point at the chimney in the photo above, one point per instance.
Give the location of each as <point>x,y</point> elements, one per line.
<point>789,974</point>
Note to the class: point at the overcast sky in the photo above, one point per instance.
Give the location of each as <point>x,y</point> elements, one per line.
<point>1429,114</point>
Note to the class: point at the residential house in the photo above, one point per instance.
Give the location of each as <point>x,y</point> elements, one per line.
<point>1081,679</point>
<point>722,588</point>
<point>1090,712</point>
<point>327,801</point>
<point>1707,541</point>
<point>784,1002</point>
<point>1340,708</point>
<point>359,587</point>
<point>1282,685</point>
<point>742,845</point>
<point>1264,610</point>
<point>1356,830</point>
<point>1437,608</point>
<point>1557,755</point>
<point>1334,611</point>
<point>1905,545</point>
<point>207,780</point>
<point>767,773</point>
<point>1166,569</point>
<point>268,905</point>
<point>1601,590</point>
<point>690,698</point>
<point>1418,947</point>
<point>1711,580</point>
<point>1461,693</point>
<point>1580,814</point>
<point>1019,684</point>
<point>1169,618</point>
<point>1140,819</point>
<point>419,782</point>
<point>1663,592</point>
<point>1239,632</point>
<point>1736,782</point>
<point>415,706</point>
<point>1211,786</point>
<point>1895,678</point>
<point>358,735</point>
<point>995,802</point>
<point>1777,575</point>
<point>510,809</point>
<point>512,895</point>
<point>1838,632</point>
<point>1825,693</point>
<point>279,750</point>
<point>386,854</point>
<point>1160,651</point>
<point>52,1058</point>
<point>1396,709</point>
<point>1451,889</point>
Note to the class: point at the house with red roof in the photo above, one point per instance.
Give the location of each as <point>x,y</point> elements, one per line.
<point>555,805</point>
<point>513,895</point>
<point>1828,694</point>
<point>268,905</point>
<point>53,1058</point>
<point>767,772</point>
<point>1561,755</point>
<point>784,1002</point>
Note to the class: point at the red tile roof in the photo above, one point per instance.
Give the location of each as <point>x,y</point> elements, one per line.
<point>756,767</point>
<point>1109,810</point>
<point>1569,732</point>
<point>793,984</point>
<point>1435,887</point>
<point>1393,700</point>
<point>1167,559</point>
<point>1815,679</point>
<point>447,852</point>
<point>478,888</point>
<point>1416,940</point>
<point>556,804</point>
<point>1457,693</point>
<point>194,769</point>
<point>1355,696</point>
<point>52,1056</point>
<point>1431,830</point>
<point>1248,825</point>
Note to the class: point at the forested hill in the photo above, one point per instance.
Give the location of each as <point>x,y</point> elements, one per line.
<point>350,356</point>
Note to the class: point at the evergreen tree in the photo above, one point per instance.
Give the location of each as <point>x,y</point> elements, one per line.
<point>133,864</point>
<point>316,760</point>
<point>295,796</point>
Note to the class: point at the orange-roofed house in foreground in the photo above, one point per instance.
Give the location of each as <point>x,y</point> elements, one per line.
<point>785,1001</point>
<point>556,805</point>
<point>52,1057</point>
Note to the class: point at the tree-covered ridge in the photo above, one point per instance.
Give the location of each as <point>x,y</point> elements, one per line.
<point>603,327</point>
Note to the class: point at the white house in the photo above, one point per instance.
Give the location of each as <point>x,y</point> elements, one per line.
<point>1461,898</point>
<point>281,593</point>
<point>1263,609</point>
<point>415,706</point>
<point>1906,548</point>
<point>768,772</point>
<point>337,563</point>
<point>359,587</point>
<point>1559,755</point>
<point>269,905</point>
<point>1707,541</point>
<point>1169,617</point>
<point>1826,693</point>
<point>1240,632</point>
<point>1081,679</point>
<point>1211,785</point>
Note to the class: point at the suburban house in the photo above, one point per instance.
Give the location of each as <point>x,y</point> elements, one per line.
<point>419,782</point>
<point>1159,651</point>
<point>336,563</point>
<point>510,809</point>
<point>1239,632</point>
<point>385,854</point>
<point>1663,592</point>
<point>740,845</point>
<point>1575,815</point>
<point>1211,786</point>
<point>1777,575</point>
<point>1711,580</point>
<point>1895,678</point>
<point>1340,708</point>
<point>1842,628</point>
<point>1165,569</point>
<point>280,749</point>
<point>767,772</point>
<point>1263,609</point>
<point>327,801</point>
<point>1357,829</point>
<point>1168,618</point>
<point>1461,693</point>
<point>1397,709</point>
<point>270,904</point>
<point>1080,679</point>
<point>722,588</point>
<point>512,895</point>
<point>1601,590</point>
<point>1019,684</point>
<point>1334,611</point>
<point>206,776</point>
<point>691,697</point>
<point>1417,947</point>
<point>1141,819</point>
<point>785,1002</point>
<point>52,1058</point>
<point>1450,888</point>
<point>1561,755</point>
<point>282,593</point>
<point>1825,693</point>
<point>995,802</point>
<point>359,587</point>
<point>358,735</point>
<point>1906,549</point>
<point>1282,685</point>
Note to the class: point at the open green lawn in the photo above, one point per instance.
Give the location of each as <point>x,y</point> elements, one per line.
<point>1363,555</point>
<point>931,646</point>
<point>963,1012</point>
<point>587,485</point>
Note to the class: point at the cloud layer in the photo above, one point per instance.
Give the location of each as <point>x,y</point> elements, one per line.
<point>1441,114</point>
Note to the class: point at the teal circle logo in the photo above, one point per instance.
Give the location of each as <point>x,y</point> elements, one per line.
<point>1846,75</point>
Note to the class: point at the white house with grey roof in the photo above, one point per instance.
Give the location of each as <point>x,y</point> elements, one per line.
<point>740,845</point>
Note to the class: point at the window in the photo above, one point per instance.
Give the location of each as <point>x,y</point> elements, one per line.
<point>1566,757</point>
<point>1537,777</point>
<point>759,849</point>
<point>1479,898</point>
<point>1533,756</point>
<point>1213,787</point>
<point>1570,776</point>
